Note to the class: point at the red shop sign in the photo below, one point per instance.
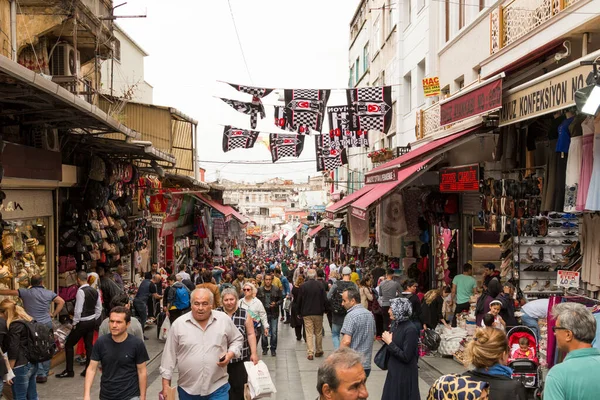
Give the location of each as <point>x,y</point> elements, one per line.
<point>460,179</point>
<point>158,204</point>
<point>481,100</point>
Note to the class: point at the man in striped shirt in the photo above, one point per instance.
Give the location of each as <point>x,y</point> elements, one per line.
<point>358,330</point>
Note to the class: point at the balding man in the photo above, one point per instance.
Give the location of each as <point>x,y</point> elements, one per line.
<point>342,377</point>
<point>200,344</point>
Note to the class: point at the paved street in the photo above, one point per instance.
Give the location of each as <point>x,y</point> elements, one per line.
<point>294,376</point>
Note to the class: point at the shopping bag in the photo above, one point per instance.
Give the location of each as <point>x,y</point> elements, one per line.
<point>259,380</point>
<point>287,304</point>
<point>164,329</point>
<point>9,375</point>
<point>382,357</point>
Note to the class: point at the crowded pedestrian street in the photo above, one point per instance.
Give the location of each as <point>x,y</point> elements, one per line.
<point>294,376</point>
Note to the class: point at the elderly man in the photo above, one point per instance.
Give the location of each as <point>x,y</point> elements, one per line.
<point>358,330</point>
<point>576,378</point>
<point>341,377</point>
<point>201,344</point>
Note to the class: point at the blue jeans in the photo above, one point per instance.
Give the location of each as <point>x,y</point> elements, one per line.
<point>272,334</point>
<point>532,323</point>
<point>44,367</point>
<point>24,387</point>
<point>221,393</point>
<point>336,331</point>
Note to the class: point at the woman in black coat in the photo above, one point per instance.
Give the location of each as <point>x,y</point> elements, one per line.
<point>488,352</point>
<point>402,380</point>
<point>296,321</point>
<point>431,309</point>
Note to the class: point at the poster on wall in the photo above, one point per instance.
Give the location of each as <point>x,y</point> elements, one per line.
<point>431,86</point>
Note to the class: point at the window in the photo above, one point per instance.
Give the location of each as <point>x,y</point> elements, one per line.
<point>117,49</point>
<point>407,93</point>
<point>447,20</point>
<point>420,5</point>
<point>389,22</point>
<point>408,11</point>
<point>390,139</point>
<point>420,76</point>
<point>459,83</point>
<point>247,199</point>
<point>461,14</point>
<point>351,80</point>
<point>366,57</point>
<point>481,5</point>
<point>264,211</point>
<point>377,35</point>
<point>356,70</point>
<point>293,205</point>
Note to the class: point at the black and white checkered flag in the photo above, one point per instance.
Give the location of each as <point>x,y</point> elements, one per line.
<point>371,108</point>
<point>305,109</point>
<point>253,91</point>
<point>328,158</point>
<point>253,109</point>
<point>235,138</point>
<point>340,132</point>
<point>283,145</point>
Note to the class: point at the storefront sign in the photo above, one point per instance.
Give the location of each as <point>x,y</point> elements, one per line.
<point>460,179</point>
<point>358,213</point>
<point>157,220</point>
<point>387,176</point>
<point>329,215</point>
<point>567,279</point>
<point>484,99</point>
<point>402,150</point>
<point>431,86</point>
<point>21,204</point>
<point>548,96</point>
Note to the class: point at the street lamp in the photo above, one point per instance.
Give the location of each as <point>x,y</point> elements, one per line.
<point>587,99</point>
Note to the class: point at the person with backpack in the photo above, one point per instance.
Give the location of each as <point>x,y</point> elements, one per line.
<point>388,289</point>
<point>178,299</point>
<point>88,310</point>
<point>18,342</point>
<point>37,301</point>
<point>334,296</point>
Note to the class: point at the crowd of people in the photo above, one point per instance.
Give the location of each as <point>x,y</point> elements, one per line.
<point>221,315</point>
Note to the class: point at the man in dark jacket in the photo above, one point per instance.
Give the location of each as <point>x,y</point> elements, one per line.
<point>272,299</point>
<point>312,304</point>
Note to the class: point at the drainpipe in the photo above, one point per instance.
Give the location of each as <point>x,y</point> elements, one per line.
<point>13,29</point>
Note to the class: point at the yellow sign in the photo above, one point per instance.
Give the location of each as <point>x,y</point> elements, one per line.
<point>431,86</point>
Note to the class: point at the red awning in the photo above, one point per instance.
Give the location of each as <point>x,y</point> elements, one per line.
<point>346,201</point>
<point>430,149</point>
<point>314,231</point>
<point>227,211</point>
<point>382,189</point>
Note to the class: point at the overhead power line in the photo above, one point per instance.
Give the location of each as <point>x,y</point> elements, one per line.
<point>239,41</point>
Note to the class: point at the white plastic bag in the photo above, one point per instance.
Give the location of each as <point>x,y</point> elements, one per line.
<point>259,380</point>
<point>287,304</point>
<point>164,329</point>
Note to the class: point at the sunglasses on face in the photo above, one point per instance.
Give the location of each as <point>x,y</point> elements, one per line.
<point>247,290</point>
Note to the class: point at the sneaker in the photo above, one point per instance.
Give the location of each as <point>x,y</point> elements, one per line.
<point>540,241</point>
<point>570,233</point>
<point>570,225</point>
<point>567,241</point>
<point>66,374</point>
<point>554,242</point>
<point>555,215</point>
<point>555,233</point>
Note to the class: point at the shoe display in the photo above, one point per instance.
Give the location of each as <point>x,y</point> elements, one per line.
<point>534,285</point>
<point>541,253</point>
<point>554,242</point>
<point>555,233</point>
<point>530,253</point>
<point>567,241</point>
<point>570,233</point>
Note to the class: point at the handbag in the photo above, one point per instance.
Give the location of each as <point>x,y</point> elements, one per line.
<point>382,357</point>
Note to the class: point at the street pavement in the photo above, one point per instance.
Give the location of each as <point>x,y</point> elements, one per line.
<point>294,375</point>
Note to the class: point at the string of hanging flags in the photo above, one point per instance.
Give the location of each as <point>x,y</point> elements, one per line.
<point>303,113</point>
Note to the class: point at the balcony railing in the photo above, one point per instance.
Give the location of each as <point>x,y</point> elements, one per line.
<point>428,121</point>
<point>514,19</point>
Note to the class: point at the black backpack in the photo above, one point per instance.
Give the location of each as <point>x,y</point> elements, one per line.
<point>336,297</point>
<point>40,342</point>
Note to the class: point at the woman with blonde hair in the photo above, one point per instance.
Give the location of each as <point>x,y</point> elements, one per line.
<point>488,353</point>
<point>24,383</point>
<point>255,309</point>
<point>431,309</point>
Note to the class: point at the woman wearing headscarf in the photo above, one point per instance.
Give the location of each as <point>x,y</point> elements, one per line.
<point>402,380</point>
<point>483,304</point>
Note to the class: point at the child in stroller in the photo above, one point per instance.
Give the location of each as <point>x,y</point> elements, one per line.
<point>523,358</point>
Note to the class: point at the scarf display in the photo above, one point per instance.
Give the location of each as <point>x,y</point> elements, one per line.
<point>392,225</point>
<point>371,108</point>
<point>253,109</point>
<point>328,158</point>
<point>305,109</point>
<point>235,138</point>
<point>341,131</point>
<point>283,145</point>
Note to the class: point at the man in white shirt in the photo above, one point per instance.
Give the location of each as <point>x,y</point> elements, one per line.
<point>200,344</point>
<point>183,273</point>
<point>88,309</point>
<point>532,311</point>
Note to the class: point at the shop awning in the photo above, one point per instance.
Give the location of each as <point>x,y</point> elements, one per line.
<point>385,173</point>
<point>315,230</point>
<point>346,201</point>
<point>39,101</point>
<point>227,211</point>
<point>405,176</point>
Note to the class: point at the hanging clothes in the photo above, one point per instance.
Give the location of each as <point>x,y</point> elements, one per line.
<point>590,237</point>
<point>573,173</point>
<point>587,162</point>
<point>593,198</point>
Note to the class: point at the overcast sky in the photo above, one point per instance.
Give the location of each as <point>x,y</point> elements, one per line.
<point>193,45</point>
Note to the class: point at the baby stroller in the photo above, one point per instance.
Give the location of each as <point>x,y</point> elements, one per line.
<point>527,370</point>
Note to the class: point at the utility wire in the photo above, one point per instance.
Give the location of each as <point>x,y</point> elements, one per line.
<point>239,41</point>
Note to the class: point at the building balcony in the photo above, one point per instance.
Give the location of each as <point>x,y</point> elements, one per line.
<point>514,19</point>
<point>428,121</point>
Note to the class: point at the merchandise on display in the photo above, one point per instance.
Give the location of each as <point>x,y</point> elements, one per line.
<point>23,252</point>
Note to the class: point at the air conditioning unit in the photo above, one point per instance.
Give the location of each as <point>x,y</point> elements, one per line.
<point>64,61</point>
<point>46,138</point>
